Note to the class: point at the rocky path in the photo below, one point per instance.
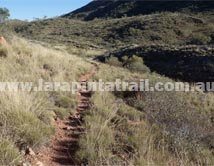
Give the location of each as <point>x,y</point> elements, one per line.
<point>63,145</point>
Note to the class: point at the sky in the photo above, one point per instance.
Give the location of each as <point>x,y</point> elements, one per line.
<point>30,9</point>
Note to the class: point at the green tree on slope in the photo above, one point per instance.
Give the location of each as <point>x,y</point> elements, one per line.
<point>4,14</point>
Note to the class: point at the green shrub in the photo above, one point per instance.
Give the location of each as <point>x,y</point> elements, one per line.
<point>135,32</point>
<point>25,128</point>
<point>136,63</point>
<point>124,58</point>
<point>96,144</point>
<point>130,113</point>
<point>44,116</point>
<point>200,39</point>
<point>9,154</point>
<point>65,102</point>
<point>138,66</point>
<point>62,112</point>
<point>113,61</point>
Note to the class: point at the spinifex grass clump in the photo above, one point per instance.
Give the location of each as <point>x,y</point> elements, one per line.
<point>116,134</point>
<point>26,115</point>
<point>160,128</point>
<point>9,154</point>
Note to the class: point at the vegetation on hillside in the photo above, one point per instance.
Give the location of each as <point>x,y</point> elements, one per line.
<point>171,61</point>
<point>4,14</point>
<point>121,128</point>
<point>120,8</point>
<point>144,128</point>
<point>26,116</point>
<point>162,28</point>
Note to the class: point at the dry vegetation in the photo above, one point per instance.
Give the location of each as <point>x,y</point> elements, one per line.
<point>189,63</point>
<point>159,28</point>
<point>149,128</point>
<point>26,116</point>
<point>126,128</point>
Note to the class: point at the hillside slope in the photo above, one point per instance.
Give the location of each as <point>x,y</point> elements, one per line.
<point>120,128</point>
<point>26,112</point>
<point>161,28</point>
<point>145,22</point>
<point>118,8</point>
<point>187,63</point>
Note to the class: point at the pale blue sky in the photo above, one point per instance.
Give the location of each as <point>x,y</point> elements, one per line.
<point>29,9</point>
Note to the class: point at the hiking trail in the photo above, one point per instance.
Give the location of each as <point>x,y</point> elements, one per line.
<point>64,143</point>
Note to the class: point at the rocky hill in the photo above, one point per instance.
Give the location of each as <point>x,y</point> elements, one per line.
<point>162,22</point>
<point>189,63</point>
<point>162,28</point>
<point>121,8</point>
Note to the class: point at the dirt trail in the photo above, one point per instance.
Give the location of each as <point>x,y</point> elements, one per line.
<point>63,145</point>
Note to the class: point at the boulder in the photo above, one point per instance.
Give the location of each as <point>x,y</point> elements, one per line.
<point>2,41</point>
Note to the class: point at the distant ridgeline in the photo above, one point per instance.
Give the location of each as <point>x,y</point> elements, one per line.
<point>123,8</point>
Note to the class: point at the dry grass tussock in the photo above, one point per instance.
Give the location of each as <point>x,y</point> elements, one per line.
<point>158,129</point>
<point>25,117</point>
<point>117,134</point>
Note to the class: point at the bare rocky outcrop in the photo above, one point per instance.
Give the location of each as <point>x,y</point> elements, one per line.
<point>2,41</point>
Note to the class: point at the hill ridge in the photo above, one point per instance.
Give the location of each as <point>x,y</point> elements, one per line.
<point>121,8</point>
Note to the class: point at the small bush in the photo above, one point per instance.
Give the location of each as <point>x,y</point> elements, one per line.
<point>62,112</point>
<point>130,113</point>
<point>136,63</point>
<point>138,66</point>
<point>114,61</point>
<point>3,51</point>
<point>200,39</point>
<point>22,47</point>
<point>96,146</point>
<point>9,154</point>
<point>65,102</point>
<point>25,128</point>
<point>135,32</point>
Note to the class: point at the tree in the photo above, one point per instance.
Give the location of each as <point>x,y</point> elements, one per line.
<point>4,14</point>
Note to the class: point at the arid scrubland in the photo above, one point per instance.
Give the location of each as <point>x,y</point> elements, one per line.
<point>134,42</point>
<point>146,128</point>
<point>25,117</point>
<point>131,128</point>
